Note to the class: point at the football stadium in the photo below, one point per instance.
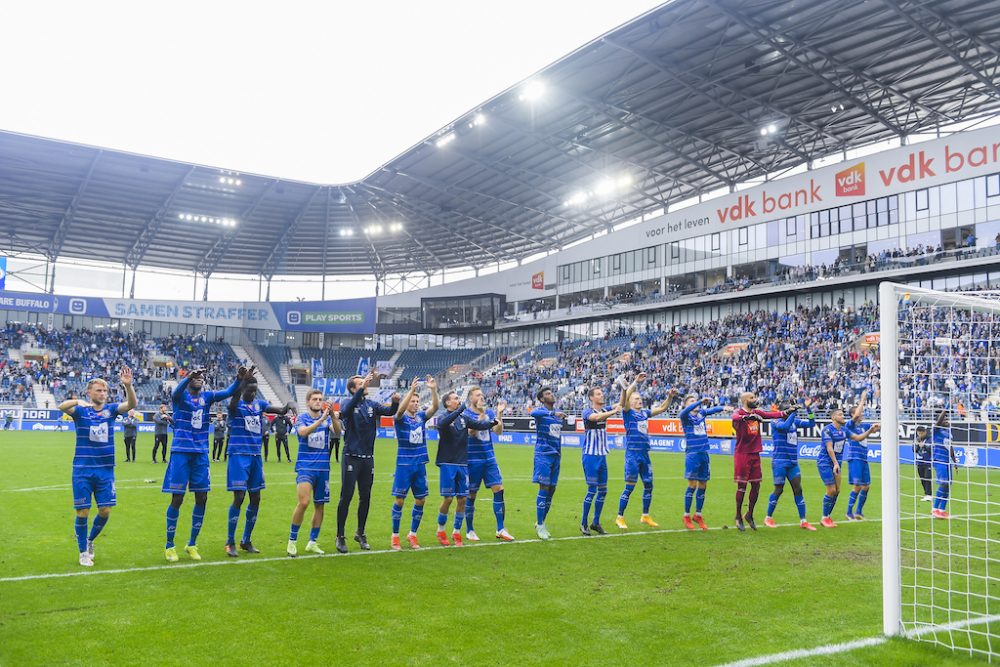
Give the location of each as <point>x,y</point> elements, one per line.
<point>661,334</point>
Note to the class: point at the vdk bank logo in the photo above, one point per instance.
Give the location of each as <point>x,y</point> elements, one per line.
<point>851,181</point>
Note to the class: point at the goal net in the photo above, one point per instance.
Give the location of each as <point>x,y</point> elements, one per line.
<point>940,385</point>
<point>10,417</point>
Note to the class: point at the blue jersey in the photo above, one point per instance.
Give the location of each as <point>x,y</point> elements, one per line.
<point>411,439</point>
<point>856,450</point>
<point>836,436</point>
<point>191,417</point>
<point>693,423</point>
<point>548,431</point>
<point>481,442</point>
<point>636,430</point>
<point>595,434</point>
<point>314,449</point>
<point>453,437</point>
<point>245,427</point>
<point>95,436</point>
<point>941,437</point>
<point>784,434</point>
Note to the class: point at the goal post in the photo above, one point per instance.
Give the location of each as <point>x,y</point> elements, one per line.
<point>940,378</point>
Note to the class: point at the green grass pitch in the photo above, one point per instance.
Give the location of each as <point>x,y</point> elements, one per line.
<point>663,597</point>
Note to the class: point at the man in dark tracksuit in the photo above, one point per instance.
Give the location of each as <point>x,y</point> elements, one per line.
<point>219,427</point>
<point>280,426</point>
<point>360,418</point>
<point>922,450</point>
<point>265,427</point>
<point>131,432</point>
<point>160,420</point>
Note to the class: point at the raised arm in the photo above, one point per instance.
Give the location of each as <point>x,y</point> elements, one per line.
<point>604,416</point>
<point>69,406</point>
<point>305,431</point>
<point>874,428</point>
<point>130,400</point>
<point>450,417</point>
<point>859,411</point>
<point>406,399</point>
<point>786,423</point>
<point>662,407</point>
<point>389,410</point>
<point>180,388</point>
<point>338,427</point>
<point>279,409</point>
<point>501,408</point>
<point>357,397</point>
<point>686,412</point>
<point>435,399</point>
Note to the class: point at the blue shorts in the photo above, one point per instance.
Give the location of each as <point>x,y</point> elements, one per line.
<point>785,470</point>
<point>826,474</point>
<point>484,473</point>
<point>858,473</point>
<point>409,477</point>
<point>187,471</point>
<point>320,482</point>
<point>96,482</point>
<point>454,479</point>
<point>595,469</point>
<point>638,465</point>
<point>696,467</point>
<point>546,470</point>
<point>942,471</point>
<point>245,473</point>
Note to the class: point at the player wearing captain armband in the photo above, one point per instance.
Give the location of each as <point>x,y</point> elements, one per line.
<point>312,468</point>
<point>785,461</point>
<point>411,459</point>
<point>94,460</point>
<point>637,461</point>
<point>696,461</point>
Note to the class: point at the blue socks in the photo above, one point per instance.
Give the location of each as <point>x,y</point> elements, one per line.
<point>99,522</point>
<point>499,510</point>
<point>800,505</point>
<point>850,502</point>
<point>623,501</point>
<point>647,497</point>
<point>772,502</point>
<point>397,517</point>
<point>588,500</point>
<point>602,493</point>
<point>862,498</point>
<point>197,518</point>
<point>80,526</point>
<point>699,500</point>
<point>234,519</point>
<point>172,514</point>
<point>293,534</point>
<point>470,510</point>
<point>541,507</point>
<point>251,522</point>
<point>459,518</point>
<point>442,520</point>
<point>941,497</point>
<point>688,497</point>
<point>418,514</point>
<point>314,534</point>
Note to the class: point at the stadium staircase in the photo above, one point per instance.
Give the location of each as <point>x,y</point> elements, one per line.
<point>43,397</point>
<point>269,384</point>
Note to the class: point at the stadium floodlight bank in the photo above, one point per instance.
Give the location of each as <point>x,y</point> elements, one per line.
<point>939,353</point>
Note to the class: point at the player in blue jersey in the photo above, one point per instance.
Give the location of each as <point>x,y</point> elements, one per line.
<point>637,462</point>
<point>548,456</point>
<point>785,461</point>
<point>245,472</point>
<point>696,461</point>
<point>483,468</point>
<point>595,458</point>
<point>453,460</point>
<point>858,474</point>
<point>312,468</point>
<point>411,459</point>
<point>188,469</point>
<point>833,442</point>
<point>943,455</point>
<point>94,460</point>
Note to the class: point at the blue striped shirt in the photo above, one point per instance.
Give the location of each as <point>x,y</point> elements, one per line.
<point>95,436</point>
<point>481,442</point>
<point>837,437</point>
<point>191,416</point>
<point>595,441</point>
<point>856,450</point>
<point>693,423</point>
<point>245,427</point>
<point>636,430</point>
<point>314,449</point>
<point>941,437</point>
<point>548,431</point>
<point>784,434</point>
<point>411,439</point>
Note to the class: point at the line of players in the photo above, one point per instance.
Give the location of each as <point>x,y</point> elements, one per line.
<point>465,457</point>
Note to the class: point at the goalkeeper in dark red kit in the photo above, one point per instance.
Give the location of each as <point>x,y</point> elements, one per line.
<point>746,458</point>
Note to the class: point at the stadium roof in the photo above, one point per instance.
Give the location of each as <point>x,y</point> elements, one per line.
<point>694,96</point>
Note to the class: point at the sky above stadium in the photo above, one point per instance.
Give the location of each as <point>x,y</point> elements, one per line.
<point>317,91</point>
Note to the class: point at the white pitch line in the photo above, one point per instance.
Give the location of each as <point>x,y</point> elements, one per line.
<point>272,559</point>
<point>831,649</point>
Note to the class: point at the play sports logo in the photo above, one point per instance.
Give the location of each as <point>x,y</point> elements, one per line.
<point>851,181</point>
